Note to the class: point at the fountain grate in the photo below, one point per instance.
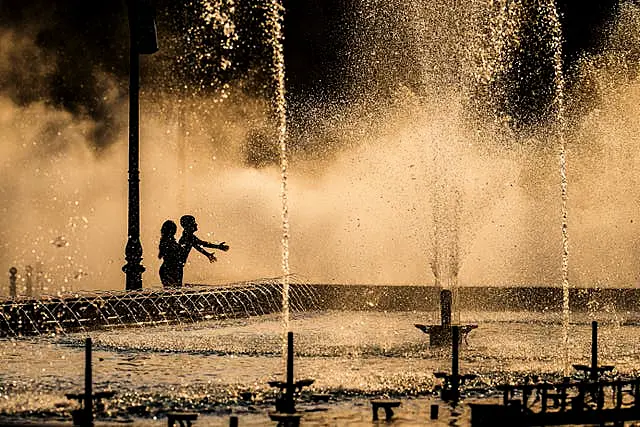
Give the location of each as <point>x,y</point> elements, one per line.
<point>85,311</point>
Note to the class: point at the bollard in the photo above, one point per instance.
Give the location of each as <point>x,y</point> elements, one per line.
<point>12,282</point>
<point>594,350</point>
<point>233,421</point>
<point>434,411</point>
<point>88,392</point>
<point>28,281</point>
<point>290,406</point>
<point>455,379</point>
<point>445,307</point>
<point>39,280</point>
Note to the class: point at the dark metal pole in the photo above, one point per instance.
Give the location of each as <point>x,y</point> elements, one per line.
<point>13,289</point>
<point>88,381</point>
<point>594,350</point>
<point>289,395</point>
<point>434,411</point>
<point>28,281</point>
<point>455,379</point>
<point>133,269</point>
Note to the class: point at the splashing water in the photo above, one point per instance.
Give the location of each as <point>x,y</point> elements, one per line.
<point>87,311</point>
<point>560,124</point>
<point>445,262</point>
<point>494,62</point>
<point>275,19</point>
<point>219,15</point>
<point>494,59</point>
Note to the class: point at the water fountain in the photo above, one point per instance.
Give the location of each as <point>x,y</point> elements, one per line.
<point>87,311</point>
<point>213,348</point>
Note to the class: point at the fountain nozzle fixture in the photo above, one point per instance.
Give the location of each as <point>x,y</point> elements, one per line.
<point>441,335</point>
<point>286,413</point>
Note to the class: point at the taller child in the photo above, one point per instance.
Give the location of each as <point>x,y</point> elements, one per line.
<point>189,240</point>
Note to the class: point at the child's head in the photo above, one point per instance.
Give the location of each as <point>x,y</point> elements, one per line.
<point>168,229</point>
<point>188,222</point>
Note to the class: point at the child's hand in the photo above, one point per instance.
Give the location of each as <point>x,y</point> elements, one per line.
<point>223,246</point>
<point>212,258</point>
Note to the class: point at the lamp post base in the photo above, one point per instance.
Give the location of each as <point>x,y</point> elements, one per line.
<point>133,269</point>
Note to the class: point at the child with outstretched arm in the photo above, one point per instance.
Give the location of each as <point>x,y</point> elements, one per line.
<point>189,240</point>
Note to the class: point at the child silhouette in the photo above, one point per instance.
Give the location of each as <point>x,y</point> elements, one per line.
<point>189,240</point>
<point>170,252</point>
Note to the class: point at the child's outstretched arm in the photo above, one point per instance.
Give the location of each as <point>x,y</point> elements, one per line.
<point>222,245</point>
<point>210,255</point>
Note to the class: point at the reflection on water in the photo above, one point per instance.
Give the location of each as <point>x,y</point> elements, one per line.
<point>210,366</point>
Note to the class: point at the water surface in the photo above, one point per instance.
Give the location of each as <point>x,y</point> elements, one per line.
<point>222,367</point>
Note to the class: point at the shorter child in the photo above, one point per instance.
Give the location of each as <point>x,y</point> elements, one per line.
<point>170,252</point>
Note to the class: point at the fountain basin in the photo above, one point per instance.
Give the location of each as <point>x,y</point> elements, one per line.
<point>220,366</point>
<point>86,311</point>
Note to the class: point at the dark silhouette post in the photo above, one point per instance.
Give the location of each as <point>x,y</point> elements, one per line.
<point>592,372</point>
<point>143,40</point>
<point>39,281</point>
<point>452,383</point>
<point>13,290</point>
<point>133,269</point>
<point>88,381</point>
<point>28,281</point>
<point>434,411</point>
<point>455,378</point>
<point>594,350</point>
<point>286,414</point>
<point>290,385</point>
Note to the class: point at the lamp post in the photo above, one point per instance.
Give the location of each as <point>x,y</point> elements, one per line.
<point>143,40</point>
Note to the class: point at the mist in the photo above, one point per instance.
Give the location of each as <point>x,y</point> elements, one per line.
<point>364,177</point>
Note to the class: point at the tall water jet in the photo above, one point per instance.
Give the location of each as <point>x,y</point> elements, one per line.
<point>275,18</point>
<point>519,79</point>
<point>445,263</point>
<point>560,128</point>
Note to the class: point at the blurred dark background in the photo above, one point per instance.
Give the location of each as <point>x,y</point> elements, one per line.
<point>77,42</point>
